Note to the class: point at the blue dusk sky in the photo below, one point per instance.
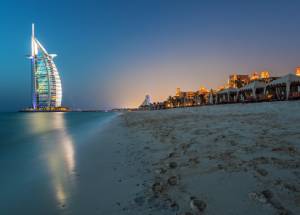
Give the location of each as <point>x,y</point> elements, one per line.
<point>112,53</point>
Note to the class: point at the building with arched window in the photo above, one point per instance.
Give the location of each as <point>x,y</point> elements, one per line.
<point>46,83</point>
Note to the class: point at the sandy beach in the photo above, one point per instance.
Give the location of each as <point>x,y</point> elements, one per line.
<point>223,159</point>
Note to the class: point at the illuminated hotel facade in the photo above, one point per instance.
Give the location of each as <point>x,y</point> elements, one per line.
<point>46,83</point>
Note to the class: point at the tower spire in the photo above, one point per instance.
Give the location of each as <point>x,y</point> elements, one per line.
<point>33,42</point>
<point>32,26</point>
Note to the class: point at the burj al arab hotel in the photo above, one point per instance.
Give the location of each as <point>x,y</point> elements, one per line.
<point>46,83</point>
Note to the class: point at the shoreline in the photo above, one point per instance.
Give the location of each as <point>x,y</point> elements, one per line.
<point>109,178</point>
<point>220,159</point>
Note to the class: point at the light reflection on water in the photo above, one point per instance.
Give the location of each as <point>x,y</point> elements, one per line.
<point>40,160</point>
<point>60,159</point>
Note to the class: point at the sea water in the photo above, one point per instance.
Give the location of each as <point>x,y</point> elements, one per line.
<point>38,158</point>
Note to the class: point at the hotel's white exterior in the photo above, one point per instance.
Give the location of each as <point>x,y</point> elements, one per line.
<point>46,83</point>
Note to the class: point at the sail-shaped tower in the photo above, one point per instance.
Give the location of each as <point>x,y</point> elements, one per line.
<point>46,83</point>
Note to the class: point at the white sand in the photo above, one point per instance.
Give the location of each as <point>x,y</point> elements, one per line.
<point>237,159</point>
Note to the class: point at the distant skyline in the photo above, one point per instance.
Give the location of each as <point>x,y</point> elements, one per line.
<point>113,53</point>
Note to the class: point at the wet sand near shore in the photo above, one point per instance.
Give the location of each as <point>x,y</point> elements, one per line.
<point>225,159</point>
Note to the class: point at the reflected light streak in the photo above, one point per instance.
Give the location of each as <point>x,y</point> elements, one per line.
<point>66,142</point>
<point>59,153</point>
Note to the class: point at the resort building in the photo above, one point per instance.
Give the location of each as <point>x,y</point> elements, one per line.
<point>297,72</point>
<point>259,76</point>
<point>188,98</point>
<point>264,74</point>
<point>228,95</point>
<point>46,83</point>
<point>178,92</point>
<point>254,76</point>
<point>256,87</point>
<point>252,92</point>
<point>237,81</point>
<point>284,88</point>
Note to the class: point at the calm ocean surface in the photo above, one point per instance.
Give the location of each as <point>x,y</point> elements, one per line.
<point>38,158</point>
